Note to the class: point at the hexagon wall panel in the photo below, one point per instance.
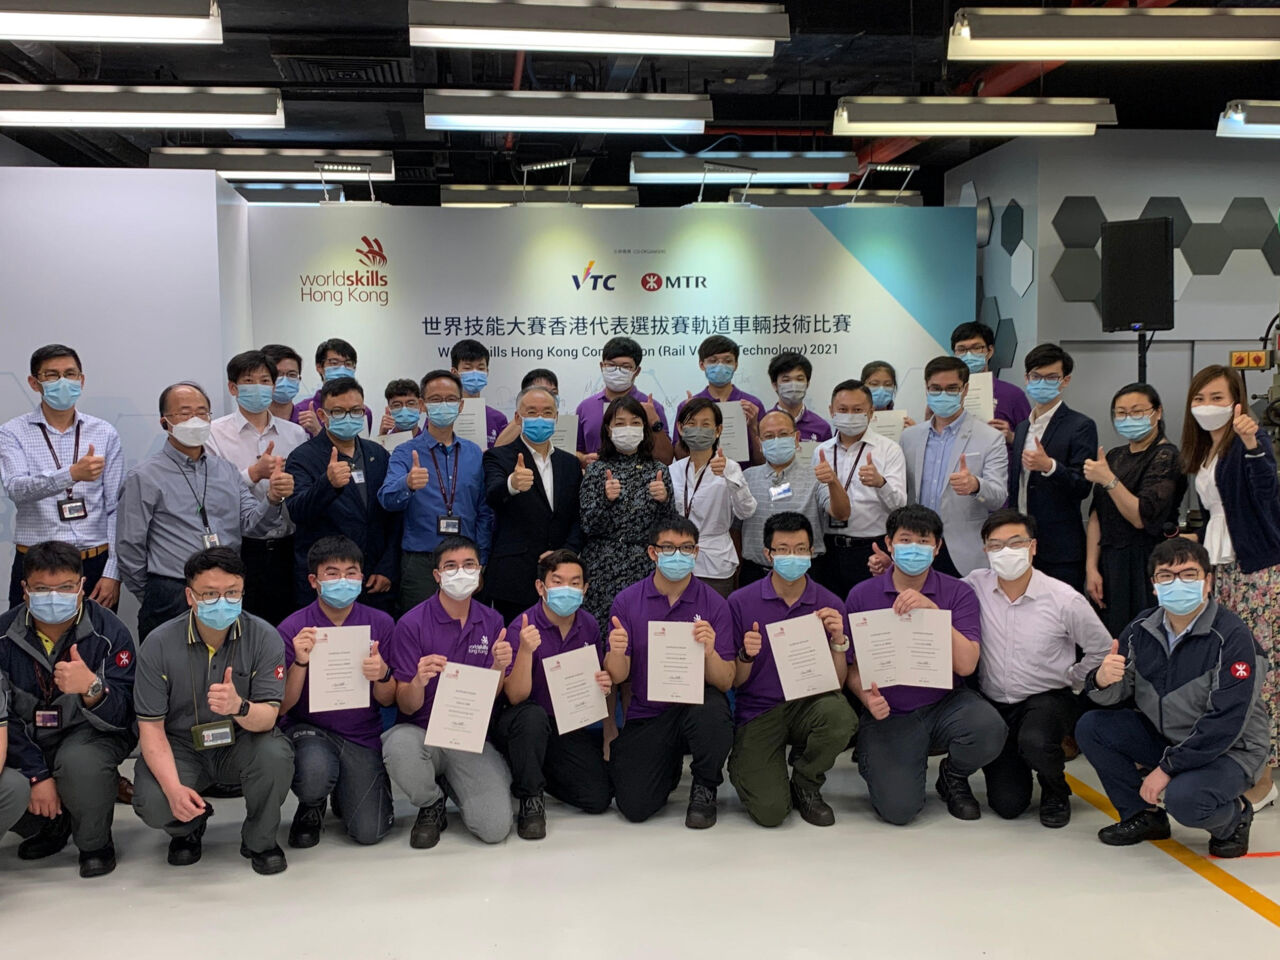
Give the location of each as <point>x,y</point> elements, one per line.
<point>968,195</point>
<point>1206,247</point>
<point>1181,274</point>
<point>1248,222</point>
<point>1079,221</point>
<point>989,312</point>
<point>1020,269</point>
<point>1006,346</point>
<point>1078,275</point>
<point>985,218</point>
<point>1172,208</point>
<point>1011,227</point>
<point>1271,251</point>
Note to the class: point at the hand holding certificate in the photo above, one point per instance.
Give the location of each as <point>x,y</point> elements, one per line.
<point>910,650</point>
<point>576,697</point>
<point>980,402</point>
<point>733,436</point>
<point>335,676</point>
<point>462,706</point>
<point>803,657</point>
<point>677,669</point>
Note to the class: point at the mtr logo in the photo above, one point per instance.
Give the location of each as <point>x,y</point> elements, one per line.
<point>652,282</point>
<point>596,281</point>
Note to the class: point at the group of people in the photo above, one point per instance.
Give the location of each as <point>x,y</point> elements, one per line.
<point>1148,640</point>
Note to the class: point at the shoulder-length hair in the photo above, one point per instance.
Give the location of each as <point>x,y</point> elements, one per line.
<point>1197,442</point>
<point>631,405</point>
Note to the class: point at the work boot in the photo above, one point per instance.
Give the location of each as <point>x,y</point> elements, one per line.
<point>50,839</point>
<point>812,808</point>
<point>531,821</point>
<point>308,824</point>
<point>702,808</point>
<point>98,863</point>
<point>267,862</point>
<point>1236,843</point>
<point>427,828</point>
<point>186,850</point>
<point>954,789</point>
<point>1142,826</point>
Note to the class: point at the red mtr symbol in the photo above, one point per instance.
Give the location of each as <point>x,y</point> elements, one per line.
<point>651,282</point>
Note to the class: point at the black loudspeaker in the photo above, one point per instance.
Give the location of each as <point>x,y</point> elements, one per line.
<point>1137,275</point>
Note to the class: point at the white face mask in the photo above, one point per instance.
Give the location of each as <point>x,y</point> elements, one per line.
<point>459,584</point>
<point>617,379</point>
<point>792,391</point>
<point>626,439</point>
<point>850,424</point>
<point>1211,418</point>
<point>1011,562</point>
<point>191,433</point>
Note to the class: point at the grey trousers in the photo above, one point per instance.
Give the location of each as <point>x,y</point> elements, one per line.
<point>260,764</point>
<point>479,783</point>
<point>86,766</point>
<point>15,794</point>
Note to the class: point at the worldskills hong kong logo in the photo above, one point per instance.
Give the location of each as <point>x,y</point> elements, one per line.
<point>364,283</point>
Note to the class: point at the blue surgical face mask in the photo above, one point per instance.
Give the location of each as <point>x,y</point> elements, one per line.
<point>791,567</point>
<point>564,601</point>
<point>537,429</point>
<point>443,414</point>
<point>912,559</point>
<point>1180,597</point>
<point>219,614</point>
<point>1133,428</point>
<point>61,394</point>
<point>53,607</point>
<point>1044,391</point>
<point>779,450</point>
<point>406,418</point>
<point>881,397</point>
<point>286,389</point>
<point>346,426</point>
<point>340,593</point>
<point>675,567</point>
<point>945,404</point>
<point>474,381</point>
<point>254,397</point>
<point>976,362</point>
<point>719,374</point>
<point>333,373</point>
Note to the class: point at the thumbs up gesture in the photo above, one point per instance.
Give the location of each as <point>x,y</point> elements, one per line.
<point>418,475</point>
<point>752,640</point>
<point>869,474</point>
<point>338,471</point>
<point>1098,471</point>
<point>530,636</point>
<point>612,486</point>
<point>281,485</point>
<point>876,705</point>
<point>88,467</point>
<point>73,675</point>
<point>223,699</point>
<point>521,477</point>
<point>501,653</point>
<point>387,424</point>
<point>618,638</point>
<point>879,561</point>
<point>1111,670</point>
<point>1244,425</point>
<point>265,465</point>
<point>373,668</point>
<point>1036,458</point>
<point>823,471</point>
<point>718,463</point>
<point>658,489</point>
<point>962,481</point>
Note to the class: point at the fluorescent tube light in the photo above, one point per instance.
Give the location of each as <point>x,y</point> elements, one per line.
<point>511,195</point>
<point>32,105</point>
<point>970,116</point>
<point>773,197</point>
<point>1250,118</point>
<point>530,111</point>
<point>111,21</point>
<point>246,163</point>
<point>718,167</point>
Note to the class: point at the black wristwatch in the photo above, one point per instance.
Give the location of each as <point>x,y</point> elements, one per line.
<point>744,657</point>
<point>244,708</point>
<point>390,673</point>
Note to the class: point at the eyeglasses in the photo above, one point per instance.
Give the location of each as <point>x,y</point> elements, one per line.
<point>339,412</point>
<point>405,405</point>
<point>49,376</point>
<point>212,596</point>
<point>437,398</point>
<point>186,413</point>
<point>1186,576</point>
<point>1013,543</point>
<point>468,566</point>
<point>71,588</point>
<point>291,376</point>
<point>666,550</point>
<point>1133,413</point>
<point>776,435</point>
<point>1052,378</point>
<point>952,391</point>
<point>790,551</point>
<point>338,362</point>
<point>618,366</point>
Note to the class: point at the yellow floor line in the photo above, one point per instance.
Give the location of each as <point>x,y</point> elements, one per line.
<point>1233,887</point>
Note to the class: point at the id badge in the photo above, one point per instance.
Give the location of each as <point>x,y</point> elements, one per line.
<point>211,736</point>
<point>448,525</point>
<point>72,508</point>
<point>781,492</point>
<point>49,718</point>
<point>209,540</point>
<point>357,476</point>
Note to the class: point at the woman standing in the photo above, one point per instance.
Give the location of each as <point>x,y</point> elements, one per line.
<point>1139,487</point>
<point>882,380</point>
<point>1234,471</point>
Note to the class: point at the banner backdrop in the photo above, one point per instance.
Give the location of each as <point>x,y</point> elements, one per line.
<point>543,287</point>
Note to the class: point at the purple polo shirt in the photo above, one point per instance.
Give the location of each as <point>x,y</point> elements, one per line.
<point>759,603</point>
<point>641,603</point>
<point>948,593</point>
<point>734,396</point>
<point>591,418</point>
<point>362,726</point>
<point>809,426</point>
<point>428,629</point>
<point>494,423</point>
<point>583,632</point>
<point>1012,405</point>
<point>313,403</point>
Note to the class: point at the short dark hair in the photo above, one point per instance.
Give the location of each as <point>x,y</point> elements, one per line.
<point>540,373</point>
<point>1046,355</point>
<point>276,352</point>
<point>337,387</point>
<point>439,375</point>
<point>869,370</point>
<point>455,541</point>
<point>717,344</point>
<point>622,347</point>
<point>333,548</point>
<point>695,406</point>
<point>1145,390</point>
<point>251,361</point>
<point>547,565</point>
<point>1007,515</point>
<point>944,364</point>
<point>914,518</point>
<point>468,351</point>
<point>401,388</point>
<point>335,345</point>
<point>214,558</point>
<point>971,329</point>
<point>787,362</point>
<point>844,385</point>
<point>1176,550</point>
<point>631,405</point>
<point>52,556</point>
<point>51,351</point>
<point>789,521</point>
<point>164,394</point>
<point>673,523</point>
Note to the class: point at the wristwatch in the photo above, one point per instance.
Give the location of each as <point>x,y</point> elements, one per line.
<point>744,657</point>
<point>244,708</point>
<point>95,689</point>
<point>389,674</point>
<point>1108,487</point>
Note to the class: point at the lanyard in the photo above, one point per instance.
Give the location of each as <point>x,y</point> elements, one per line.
<point>688,496</point>
<point>835,456</point>
<point>200,500</point>
<point>75,455</point>
<point>452,493</point>
<point>202,649</point>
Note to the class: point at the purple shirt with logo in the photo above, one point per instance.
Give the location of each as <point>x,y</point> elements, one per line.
<point>1012,405</point>
<point>362,725</point>
<point>583,632</point>
<point>948,593</point>
<point>428,629</point>
<point>494,423</point>
<point>313,403</point>
<point>640,604</point>
<point>734,396</point>
<point>810,426</point>
<point>591,418</point>
<point>759,603</point>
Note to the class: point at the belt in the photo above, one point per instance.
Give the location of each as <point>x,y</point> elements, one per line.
<point>88,553</point>
<point>839,540</point>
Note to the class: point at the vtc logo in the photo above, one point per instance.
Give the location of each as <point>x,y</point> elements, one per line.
<point>594,281</point>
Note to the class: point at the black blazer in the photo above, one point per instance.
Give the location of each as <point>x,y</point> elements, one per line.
<point>1054,501</point>
<point>525,524</point>
<point>320,510</point>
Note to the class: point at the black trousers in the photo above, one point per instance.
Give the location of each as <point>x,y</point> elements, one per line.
<point>944,564</point>
<point>163,598</point>
<point>1070,572</point>
<point>845,564</point>
<point>93,568</point>
<point>648,757</point>
<point>751,572</point>
<point>568,766</point>
<point>268,579</point>
<point>1036,728</point>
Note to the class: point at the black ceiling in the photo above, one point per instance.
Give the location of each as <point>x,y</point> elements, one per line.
<point>350,79</point>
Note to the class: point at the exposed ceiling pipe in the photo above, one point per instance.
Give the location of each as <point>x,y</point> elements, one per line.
<point>515,85</point>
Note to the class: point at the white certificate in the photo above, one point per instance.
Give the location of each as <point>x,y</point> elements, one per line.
<point>677,669</point>
<point>914,650</point>
<point>389,441</point>
<point>334,678</point>
<point>806,451</point>
<point>462,707</point>
<point>576,698</point>
<point>733,436</point>
<point>981,399</point>
<point>802,654</point>
<point>566,435</point>
<point>889,423</point>
<point>472,423</point>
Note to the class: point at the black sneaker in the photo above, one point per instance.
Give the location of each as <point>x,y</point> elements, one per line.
<point>267,862</point>
<point>427,828</point>
<point>954,789</point>
<point>308,824</point>
<point>1236,843</point>
<point>531,821</point>
<point>1055,809</point>
<point>50,839</point>
<point>812,808</point>
<point>702,808</point>
<point>1142,826</point>
<point>186,850</point>
<point>98,863</point>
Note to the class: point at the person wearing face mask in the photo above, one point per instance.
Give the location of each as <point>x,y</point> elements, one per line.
<point>570,766</point>
<point>818,727</point>
<point>537,377</point>
<point>288,364</point>
<point>335,360</point>
<point>448,627</point>
<point>207,695</point>
<point>1032,626</point>
<point>469,359</point>
<point>975,343</point>
<point>862,478</point>
<point>436,481</point>
<point>337,753</point>
<point>1233,467</point>
<point>184,499</point>
<point>882,380</point>
<point>404,410</point>
<point>709,489</point>
<point>1199,733</point>
<point>791,375</point>
<point>62,470</point>
<point>532,489</point>
<point>69,664</point>
<point>718,360</point>
<point>1046,472</point>
<point>1138,490</point>
<point>620,361</point>
<point>257,442</point>
<point>902,725</point>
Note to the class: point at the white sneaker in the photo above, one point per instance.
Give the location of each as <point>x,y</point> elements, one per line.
<point>1269,799</point>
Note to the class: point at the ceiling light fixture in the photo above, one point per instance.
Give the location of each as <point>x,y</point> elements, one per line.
<point>249,163</point>
<point>737,168</point>
<point>1250,118</point>
<point>970,116</point>
<point>530,111</point>
<point>111,21</point>
<point>33,105</point>
<point>800,197</point>
<point>515,195</point>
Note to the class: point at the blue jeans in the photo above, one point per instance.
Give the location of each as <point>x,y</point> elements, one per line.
<point>1117,742</point>
<point>325,763</point>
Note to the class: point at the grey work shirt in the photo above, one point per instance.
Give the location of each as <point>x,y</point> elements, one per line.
<point>763,481</point>
<point>176,669</point>
<point>159,524</point>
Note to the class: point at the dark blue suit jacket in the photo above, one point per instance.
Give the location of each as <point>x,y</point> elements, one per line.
<point>1054,501</point>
